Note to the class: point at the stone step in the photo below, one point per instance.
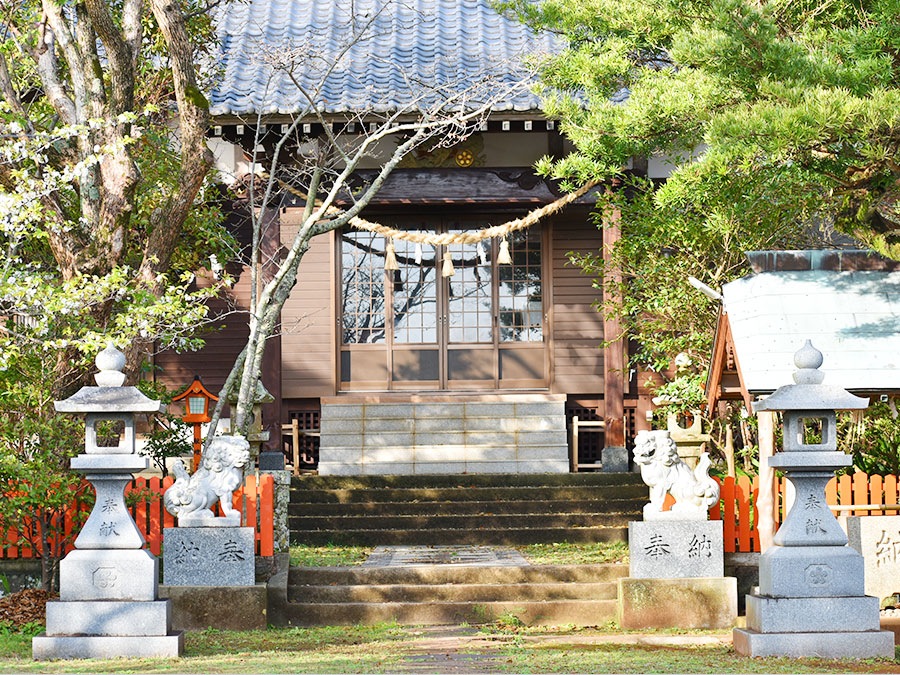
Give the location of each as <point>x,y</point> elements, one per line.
<point>460,522</point>
<point>477,494</point>
<point>632,506</point>
<point>452,593</point>
<point>457,574</point>
<point>505,536</point>
<point>465,481</point>
<point>549,613</point>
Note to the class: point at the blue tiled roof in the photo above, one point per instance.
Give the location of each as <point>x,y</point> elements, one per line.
<point>410,44</point>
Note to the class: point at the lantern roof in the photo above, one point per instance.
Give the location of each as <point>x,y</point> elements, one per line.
<point>808,392</point>
<point>194,388</point>
<point>109,396</point>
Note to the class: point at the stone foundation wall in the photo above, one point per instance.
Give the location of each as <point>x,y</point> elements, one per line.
<point>514,435</point>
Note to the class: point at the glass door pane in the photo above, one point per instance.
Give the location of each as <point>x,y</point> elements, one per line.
<point>364,336</point>
<point>469,297</point>
<point>362,279</point>
<point>471,357</point>
<point>521,305</point>
<point>415,357</point>
<point>415,295</point>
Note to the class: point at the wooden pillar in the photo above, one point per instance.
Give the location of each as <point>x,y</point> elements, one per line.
<point>765,500</point>
<point>614,456</point>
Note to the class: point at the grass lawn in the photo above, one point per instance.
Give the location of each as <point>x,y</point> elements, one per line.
<point>575,554</point>
<point>537,554</point>
<point>493,649</point>
<point>328,556</point>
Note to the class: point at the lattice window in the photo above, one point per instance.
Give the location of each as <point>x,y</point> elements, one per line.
<point>630,426</point>
<point>521,301</point>
<point>363,297</point>
<point>470,294</point>
<point>590,440</point>
<point>307,420</point>
<point>414,295</point>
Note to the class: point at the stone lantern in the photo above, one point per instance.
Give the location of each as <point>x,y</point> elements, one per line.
<point>811,600</point>
<point>256,435</point>
<point>108,604</point>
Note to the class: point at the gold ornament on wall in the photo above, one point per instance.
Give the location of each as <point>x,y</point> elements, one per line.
<point>465,158</point>
<point>465,154</point>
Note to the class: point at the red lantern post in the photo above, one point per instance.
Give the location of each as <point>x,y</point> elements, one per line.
<point>196,411</point>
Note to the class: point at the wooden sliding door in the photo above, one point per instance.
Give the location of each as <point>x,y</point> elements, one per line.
<point>413,329</point>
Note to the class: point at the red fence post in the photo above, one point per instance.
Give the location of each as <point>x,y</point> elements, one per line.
<point>754,531</point>
<point>154,527</point>
<point>876,493</point>
<point>831,492</point>
<point>890,493</point>
<point>860,492</point>
<point>743,494</point>
<point>267,515</point>
<point>168,518</point>
<point>250,514</point>
<point>728,517</point>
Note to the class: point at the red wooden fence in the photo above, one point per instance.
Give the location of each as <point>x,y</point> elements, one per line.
<point>737,500</point>
<point>255,500</point>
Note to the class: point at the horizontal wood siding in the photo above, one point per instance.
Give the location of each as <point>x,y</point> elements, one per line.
<point>307,345</point>
<point>223,344</point>
<point>577,328</point>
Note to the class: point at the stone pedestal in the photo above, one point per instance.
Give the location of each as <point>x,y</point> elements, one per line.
<point>271,461</point>
<point>709,602</point>
<point>200,607</point>
<point>877,539</point>
<point>108,604</point>
<point>614,459</point>
<point>811,599</point>
<point>663,549</point>
<point>209,556</point>
<point>676,577</point>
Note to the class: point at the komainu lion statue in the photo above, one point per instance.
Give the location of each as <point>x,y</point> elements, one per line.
<point>221,473</point>
<point>665,472</point>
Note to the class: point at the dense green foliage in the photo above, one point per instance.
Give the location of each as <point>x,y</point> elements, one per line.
<point>100,232</point>
<point>104,216</point>
<point>790,112</point>
<point>36,444</point>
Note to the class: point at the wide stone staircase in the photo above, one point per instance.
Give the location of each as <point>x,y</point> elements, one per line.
<point>466,509</point>
<point>440,511</point>
<point>447,594</point>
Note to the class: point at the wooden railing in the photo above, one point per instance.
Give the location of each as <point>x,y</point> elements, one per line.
<point>255,500</point>
<point>736,508</point>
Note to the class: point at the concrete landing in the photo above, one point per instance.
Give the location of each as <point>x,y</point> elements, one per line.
<point>477,556</point>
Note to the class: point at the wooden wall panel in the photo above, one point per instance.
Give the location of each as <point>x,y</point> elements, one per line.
<point>307,344</point>
<point>223,344</point>
<point>577,328</point>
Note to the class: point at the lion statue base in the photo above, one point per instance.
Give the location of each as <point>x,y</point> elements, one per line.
<point>191,498</point>
<point>666,473</point>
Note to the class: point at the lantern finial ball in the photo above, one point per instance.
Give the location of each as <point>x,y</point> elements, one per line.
<point>110,362</point>
<point>808,359</point>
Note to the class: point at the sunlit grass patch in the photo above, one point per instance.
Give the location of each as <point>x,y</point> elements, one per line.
<point>303,555</point>
<point>564,553</point>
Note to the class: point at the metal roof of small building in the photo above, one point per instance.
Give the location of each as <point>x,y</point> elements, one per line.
<point>852,317</point>
<point>411,44</point>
